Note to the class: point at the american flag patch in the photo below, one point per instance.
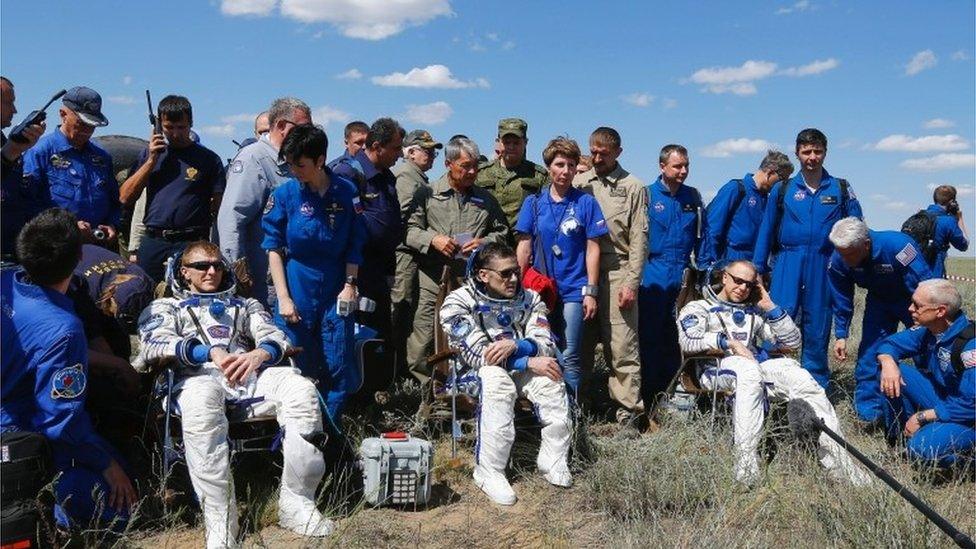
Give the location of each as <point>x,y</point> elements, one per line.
<point>968,358</point>
<point>906,255</point>
<point>601,222</point>
<point>357,205</point>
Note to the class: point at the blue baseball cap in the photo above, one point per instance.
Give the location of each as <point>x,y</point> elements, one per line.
<point>87,104</point>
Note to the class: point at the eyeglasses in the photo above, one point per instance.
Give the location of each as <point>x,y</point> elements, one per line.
<point>922,306</point>
<point>507,273</point>
<point>204,266</point>
<point>740,281</point>
<point>430,152</point>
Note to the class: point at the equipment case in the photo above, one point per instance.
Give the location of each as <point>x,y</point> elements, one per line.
<point>396,469</point>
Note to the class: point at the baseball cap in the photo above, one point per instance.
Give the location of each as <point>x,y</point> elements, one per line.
<point>514,126</point>
<point>87,104</point>
<point>421,138</point>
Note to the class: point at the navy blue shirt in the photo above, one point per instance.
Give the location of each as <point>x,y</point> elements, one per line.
<point>180,187</point>
<point>20,201</point>
<point>947,232</point>
<point>381,212</point>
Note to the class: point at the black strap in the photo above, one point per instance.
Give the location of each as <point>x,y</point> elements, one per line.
<point>538,247</point>
<point>965,336</point>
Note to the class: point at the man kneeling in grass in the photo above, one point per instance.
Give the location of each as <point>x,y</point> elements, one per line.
<point>502,336</point>
<point>737,321</point>
<point>228,349</point>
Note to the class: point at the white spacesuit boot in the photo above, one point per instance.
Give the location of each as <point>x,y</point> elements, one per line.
<point>790,381</point>
<point>742,375</point>
<point>201,402</point>
<point>551,405</point>
<point>496,433</point>
<point>296,406</point>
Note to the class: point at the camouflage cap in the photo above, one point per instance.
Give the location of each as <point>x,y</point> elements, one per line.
<point>421,138</point>
<point>514,126</point>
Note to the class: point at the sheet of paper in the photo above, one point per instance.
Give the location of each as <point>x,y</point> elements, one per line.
<point>462,239</point>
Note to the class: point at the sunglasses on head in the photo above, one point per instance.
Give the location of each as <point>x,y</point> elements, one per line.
<point>737,280</point>
<point>205,266</point>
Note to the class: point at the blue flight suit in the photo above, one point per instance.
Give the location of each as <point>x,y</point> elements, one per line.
<point>320,235</point>
<point>79,180</point>
<point>384,230</point>
<point>19,203</point>
<point>936,385</point>
<point>734,217</point>
<point>800,252</point>
<point>676,226</point>
<point>890,274</point>
<point>344,157</point>
<point>45,374</point>
<point>947,232</point>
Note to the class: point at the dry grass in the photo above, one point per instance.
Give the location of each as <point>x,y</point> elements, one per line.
<point>671,488</point>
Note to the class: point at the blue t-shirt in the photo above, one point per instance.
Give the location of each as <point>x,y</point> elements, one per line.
<point>180,187</point>
<point>567,225</point>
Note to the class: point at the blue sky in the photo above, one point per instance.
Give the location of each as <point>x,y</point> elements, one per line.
<point>892,84</point>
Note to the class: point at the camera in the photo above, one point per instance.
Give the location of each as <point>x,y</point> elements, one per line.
<point>99,234</point>
<point>345,308</point>
<point>952,208</point>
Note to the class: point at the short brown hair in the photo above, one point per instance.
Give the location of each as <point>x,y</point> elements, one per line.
<point>606,136</point>
<point>561,146</point>
<point>204,246</point>
<point>943,194</point>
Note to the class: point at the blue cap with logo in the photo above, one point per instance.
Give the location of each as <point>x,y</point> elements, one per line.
<point>87,104</point>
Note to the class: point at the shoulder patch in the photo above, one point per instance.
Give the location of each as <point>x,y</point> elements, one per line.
<point>69,382</point>
<point>906,255</point>
<point>968,358</point>
<point>460,327</point>
<point>237,166</point>
<point>154,321</point>
<point>689,322</point>
<point>218,331</point>
<point>269,205</point>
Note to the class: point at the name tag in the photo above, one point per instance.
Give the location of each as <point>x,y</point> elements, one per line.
<point>618,191</point>
<point>828,199</point>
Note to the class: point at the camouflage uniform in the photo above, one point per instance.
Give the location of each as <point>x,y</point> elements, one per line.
<point>510,186</point>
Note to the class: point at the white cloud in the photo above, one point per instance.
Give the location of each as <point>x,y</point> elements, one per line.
<point>508,45</point>
<point>431,76</point>
<point>736,80</point>
<point>961,190</point>
<point>921,61</point>
<point>126,80</point>
<point>669,103</point>
<point>940,162</point>
<point>121,99</point>
<point>938,123</point>
<point>741,145</point>
<point>887,203</point>
<point>222,130</point>
<point>325,114</point>
<point>247,7</point>
<point>928,143</point>
<point>430,113</point>
<point>802,5</point>
<point>639,99</point>
<point>816,67</point>
<point>493,36</point>
<point>239,118</point>
<point>960,55</point>
<point>351,74</point>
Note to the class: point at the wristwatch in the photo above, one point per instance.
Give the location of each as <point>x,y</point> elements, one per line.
<point>921,419</point>
<point>591,290</point>
<point>351,280</point>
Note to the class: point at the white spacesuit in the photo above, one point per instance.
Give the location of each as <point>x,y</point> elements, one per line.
<point>184,328</point>
<point>706,325</point>
<point>472,321</point>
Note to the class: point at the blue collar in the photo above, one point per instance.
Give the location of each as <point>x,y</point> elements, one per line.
<point>570,196</point>
<point>369,169</point>
<point>749,182</point>
<point>59,142</point>
<point>937,209</point>
<point>33,291</point>
<point>954,329</point>
<point>659,182</point>
<point>825,180</point>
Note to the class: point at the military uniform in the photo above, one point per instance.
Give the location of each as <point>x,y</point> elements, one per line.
<point>622,199</point>
<point>510,186</point>
<point>440,210</point>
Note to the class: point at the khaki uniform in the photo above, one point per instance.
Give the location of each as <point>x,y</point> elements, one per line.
<point>511,186</point>
<point>409,178</point>
<point>440,210</point>
<point>622,256</point>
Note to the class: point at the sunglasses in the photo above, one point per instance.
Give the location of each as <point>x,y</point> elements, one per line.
<point>507,273</point>
<point>205,266</point>
<point>741,281</point>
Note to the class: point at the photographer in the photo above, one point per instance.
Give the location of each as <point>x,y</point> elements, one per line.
<point>949,227</point>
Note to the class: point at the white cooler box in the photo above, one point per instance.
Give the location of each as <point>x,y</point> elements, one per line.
<point>396,469</point>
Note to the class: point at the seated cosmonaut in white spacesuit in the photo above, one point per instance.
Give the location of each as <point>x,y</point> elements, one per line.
<point>737,320</point>
<point>228,349</point>
<point>501,334</point>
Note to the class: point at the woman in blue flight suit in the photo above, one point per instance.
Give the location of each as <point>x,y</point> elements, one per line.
<point>314,235</point>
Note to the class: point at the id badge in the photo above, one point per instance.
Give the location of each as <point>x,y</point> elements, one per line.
<point>556,250</point>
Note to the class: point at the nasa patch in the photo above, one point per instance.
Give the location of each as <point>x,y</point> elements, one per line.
<point>68,382</point>
<point>753,201</point>
<point>306,209</point>
<point>799,195</point>
<point>658,207</point>
<point>151,323</point>
<point>219,332</point>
